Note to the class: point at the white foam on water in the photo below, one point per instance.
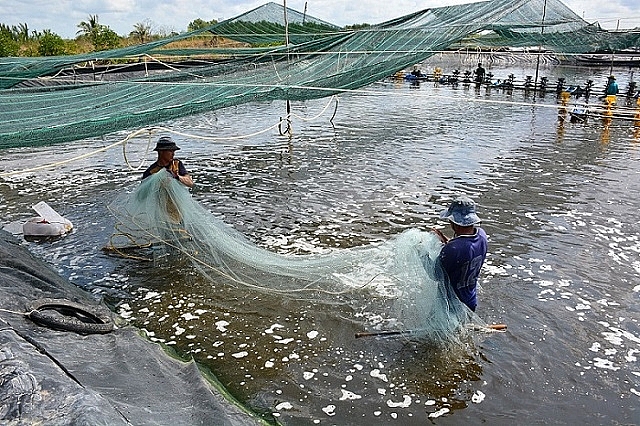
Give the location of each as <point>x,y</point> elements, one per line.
<point>284,406</point>
<point>406,402</point>
<point>125,311</point>
<point>271,329</point>
<point>222,325</point>
<point>348,395</point>
<point>329,410</point>
<point>605,363</point>
<point>378,375</point>
<point>151,295</point>
<point>439,413</point>
<point>478,397</point>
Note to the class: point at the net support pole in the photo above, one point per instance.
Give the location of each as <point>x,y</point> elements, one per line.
<point>535,80</point>
<point>286,42</point>
<point>613,51</point>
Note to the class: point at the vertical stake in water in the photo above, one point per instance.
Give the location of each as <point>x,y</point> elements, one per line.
<point>613,51</point>
<point>535,81</point>
<point>286,41</point>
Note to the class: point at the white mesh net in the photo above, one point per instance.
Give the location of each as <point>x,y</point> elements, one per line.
<point>395,285</point>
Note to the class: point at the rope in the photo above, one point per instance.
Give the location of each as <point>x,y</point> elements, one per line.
<point>171,67</point>
<point>299,117</point>
<point>156,129</point>
<point>16,312</point>
<point>592,108</point>
<point>79,157</point>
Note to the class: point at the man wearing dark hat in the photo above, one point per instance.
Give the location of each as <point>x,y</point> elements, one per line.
<point>166,149</point>
<point>462,256</point>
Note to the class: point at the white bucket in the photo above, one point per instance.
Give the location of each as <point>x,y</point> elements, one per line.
<point>48,224</point>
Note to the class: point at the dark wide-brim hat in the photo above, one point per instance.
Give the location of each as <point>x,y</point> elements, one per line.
<point>461,211</point>
<point>165,143</point>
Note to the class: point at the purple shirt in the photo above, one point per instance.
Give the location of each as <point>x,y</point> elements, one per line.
<point>461,259</point>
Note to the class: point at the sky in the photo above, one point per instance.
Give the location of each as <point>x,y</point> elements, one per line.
<point>164,16</point>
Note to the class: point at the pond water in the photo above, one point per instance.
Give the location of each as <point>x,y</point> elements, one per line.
<point>558,200</point>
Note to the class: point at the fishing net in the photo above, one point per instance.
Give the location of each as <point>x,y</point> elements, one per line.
<point>45,101</point>
<point>395,285</point>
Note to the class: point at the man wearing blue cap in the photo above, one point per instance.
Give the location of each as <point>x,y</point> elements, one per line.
<point>166,149</point>
<point>462,256</point>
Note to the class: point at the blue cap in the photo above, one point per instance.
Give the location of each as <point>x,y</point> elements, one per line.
<point>462,212</point>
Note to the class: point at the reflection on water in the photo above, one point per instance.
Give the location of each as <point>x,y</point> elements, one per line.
<point>558,202</point>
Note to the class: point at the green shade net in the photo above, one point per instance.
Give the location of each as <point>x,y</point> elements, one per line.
<point>319,60</point>
<point>395,285</point>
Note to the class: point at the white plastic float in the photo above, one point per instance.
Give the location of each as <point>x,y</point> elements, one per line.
<point>48,224</point>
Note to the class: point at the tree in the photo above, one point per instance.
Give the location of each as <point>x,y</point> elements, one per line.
<point>199,24</point>
<point>8,44</point>
<point>22,33</point>
<point>101,36</point>
<point>89,27</point>
<point>50,44</point>
<point>356,26</point>
<point>105,38</point>
<point>141,32</point>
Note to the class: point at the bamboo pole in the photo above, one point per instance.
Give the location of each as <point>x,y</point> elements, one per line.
<point>499,327</point>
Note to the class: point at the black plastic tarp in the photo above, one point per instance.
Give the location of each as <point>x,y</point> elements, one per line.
<point>54,377</point>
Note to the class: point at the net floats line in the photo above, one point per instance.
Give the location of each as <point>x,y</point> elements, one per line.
<point>496,327</point>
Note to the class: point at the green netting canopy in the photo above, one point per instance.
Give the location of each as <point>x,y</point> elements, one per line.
<point>44,101</point>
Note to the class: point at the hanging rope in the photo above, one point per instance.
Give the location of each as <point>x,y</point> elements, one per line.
<point>157,129</point>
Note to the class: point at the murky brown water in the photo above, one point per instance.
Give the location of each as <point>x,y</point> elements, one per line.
<point>558,199</point>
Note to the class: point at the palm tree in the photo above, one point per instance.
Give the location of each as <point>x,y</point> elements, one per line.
<point>89,27</point>
<point>23,32</point>
<point>141,31</point>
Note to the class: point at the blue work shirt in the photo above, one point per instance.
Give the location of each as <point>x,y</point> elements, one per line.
<point>461,259</point>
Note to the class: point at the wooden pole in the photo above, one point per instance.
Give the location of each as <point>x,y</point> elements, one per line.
<point>535,80</point>
<point>399,332</point>
<point>286,42</point>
